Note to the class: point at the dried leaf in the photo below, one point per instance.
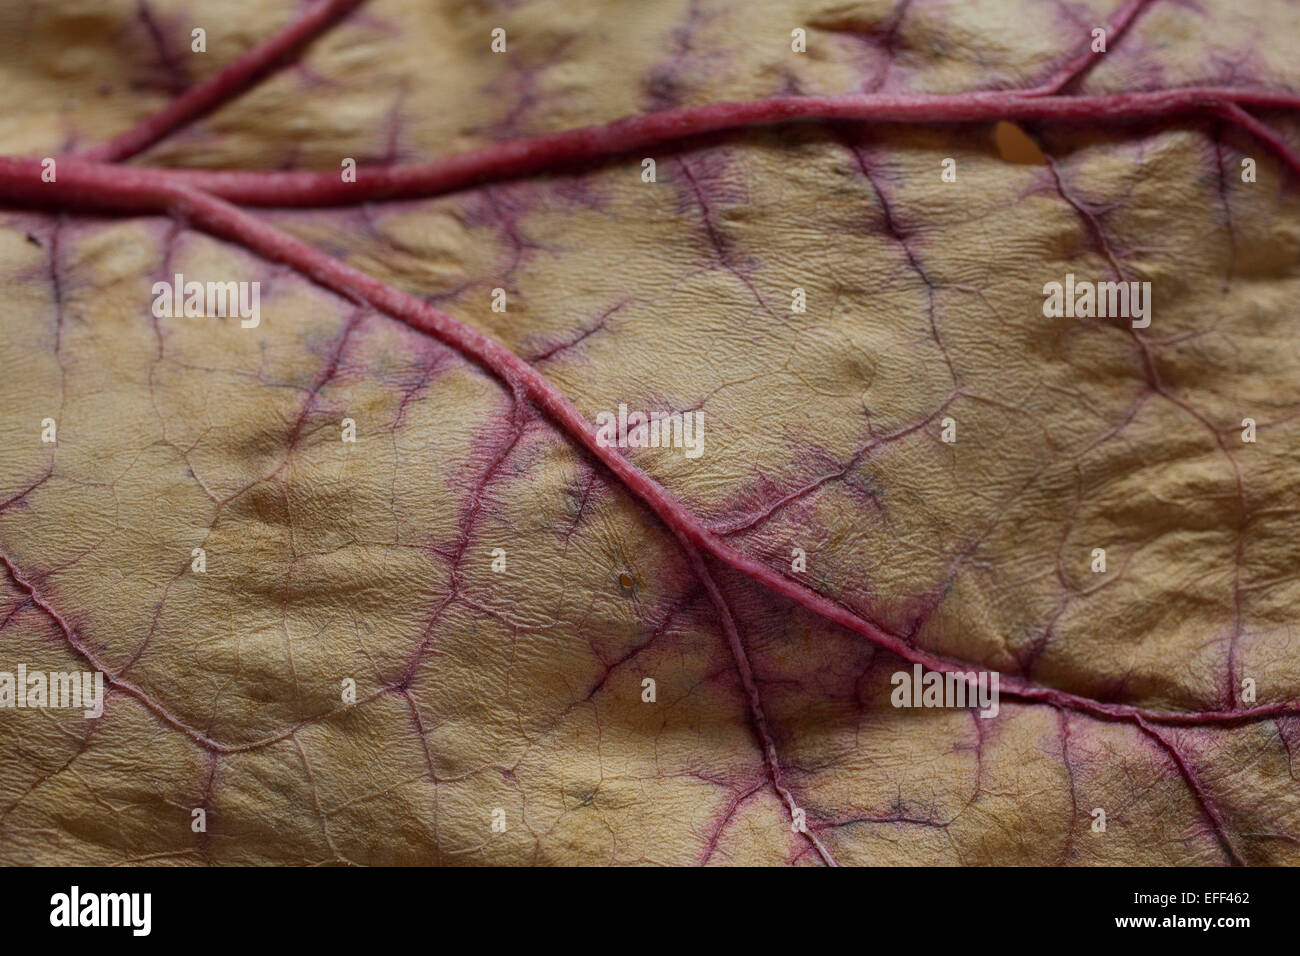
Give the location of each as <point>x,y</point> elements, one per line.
<point>498,595</point>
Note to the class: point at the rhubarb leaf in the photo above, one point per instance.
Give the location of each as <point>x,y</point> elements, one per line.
<point>552,662</point>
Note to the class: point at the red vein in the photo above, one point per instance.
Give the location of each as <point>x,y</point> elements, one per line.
<point>552,151</point>
<point>226,221</point>
<point>1266,134</point>
<point>70,635</point>
<point>733,805</point>
<point>228,83</point>
<point>1079,65</point>
<point>757,717</point>
<point>1194,784</point>
<point>116,682</point>
<point>162,190</point>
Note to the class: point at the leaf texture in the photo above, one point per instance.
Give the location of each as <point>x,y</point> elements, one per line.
<point>516,695</point>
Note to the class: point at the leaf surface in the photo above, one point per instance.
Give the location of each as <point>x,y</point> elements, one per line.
<point>521,690</point>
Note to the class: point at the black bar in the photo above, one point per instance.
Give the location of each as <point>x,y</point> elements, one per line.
<point>981,907</point>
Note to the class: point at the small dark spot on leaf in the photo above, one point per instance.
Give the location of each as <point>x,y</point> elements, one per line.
<point>625,581</point>
<point>33,240</point>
